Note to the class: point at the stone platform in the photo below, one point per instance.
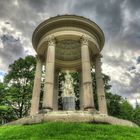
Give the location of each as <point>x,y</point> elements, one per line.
<point>73,116</point>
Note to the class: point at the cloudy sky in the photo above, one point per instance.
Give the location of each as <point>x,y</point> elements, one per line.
<point>119,19</point>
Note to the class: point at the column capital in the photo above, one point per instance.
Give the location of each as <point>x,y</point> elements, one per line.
<point>84,40</point>
<point>51,40</point>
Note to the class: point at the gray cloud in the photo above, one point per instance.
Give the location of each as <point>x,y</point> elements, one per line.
<point>119,20</point>
<point>138,60</point>
<point>12,50</point>
<point>133,5</point>
<point>12,46</point>
<point>107,14</point>
<point>128,90</point>
<point>37,5</point>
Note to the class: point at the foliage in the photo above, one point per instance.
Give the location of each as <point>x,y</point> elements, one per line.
<point>113,104</point>
<point>126,110</point>
<point>4,114</point>
<point>2,93</point>
<point>136,114</point>
<point>19,84</point>
<point>69,131</point>
<point>5,110</point>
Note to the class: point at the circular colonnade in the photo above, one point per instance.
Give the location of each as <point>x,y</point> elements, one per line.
<point>71,43</point>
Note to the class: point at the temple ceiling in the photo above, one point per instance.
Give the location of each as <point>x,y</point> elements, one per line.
<point>68,50</point>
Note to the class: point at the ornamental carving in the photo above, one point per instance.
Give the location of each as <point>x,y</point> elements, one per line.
<point>68,50</point>
<point>51,41</point>
<point>84,40</point>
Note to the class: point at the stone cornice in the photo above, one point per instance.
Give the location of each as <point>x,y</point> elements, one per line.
<point>67,21</point>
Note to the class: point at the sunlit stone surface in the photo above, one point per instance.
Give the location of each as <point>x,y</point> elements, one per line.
<point>67,44</point>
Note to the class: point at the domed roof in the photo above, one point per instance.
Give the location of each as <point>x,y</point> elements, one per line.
<point>67,21</point>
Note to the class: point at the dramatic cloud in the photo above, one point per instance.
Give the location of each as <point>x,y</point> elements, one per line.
<point>11,45</point>
<point>119,19</point>
<point>138,60</point>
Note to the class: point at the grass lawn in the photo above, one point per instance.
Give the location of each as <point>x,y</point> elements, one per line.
<point>68,131</point>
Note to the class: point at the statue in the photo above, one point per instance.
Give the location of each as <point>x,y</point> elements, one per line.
<point>67,85</point>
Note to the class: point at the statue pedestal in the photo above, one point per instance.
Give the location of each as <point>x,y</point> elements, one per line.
<point>69,103</point>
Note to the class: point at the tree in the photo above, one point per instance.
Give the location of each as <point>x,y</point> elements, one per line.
<point>136,114</point>
<point>2,93</point>
<point>113,104</point>
<point>126,110</point>
<point>6,114</point>
<point>19,82</point>
<point>5,109</point>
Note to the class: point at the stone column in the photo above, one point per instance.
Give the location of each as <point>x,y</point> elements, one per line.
<point>49,76</point>
<point>36,89</point>
<point>81,91</point>
<point>88,102</point>
<point>100,86</point>
<point>56,90</point>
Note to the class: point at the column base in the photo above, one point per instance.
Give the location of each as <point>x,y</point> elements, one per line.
<point>75,116</point>
<point>47,109</point>
<point>89,108</point>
